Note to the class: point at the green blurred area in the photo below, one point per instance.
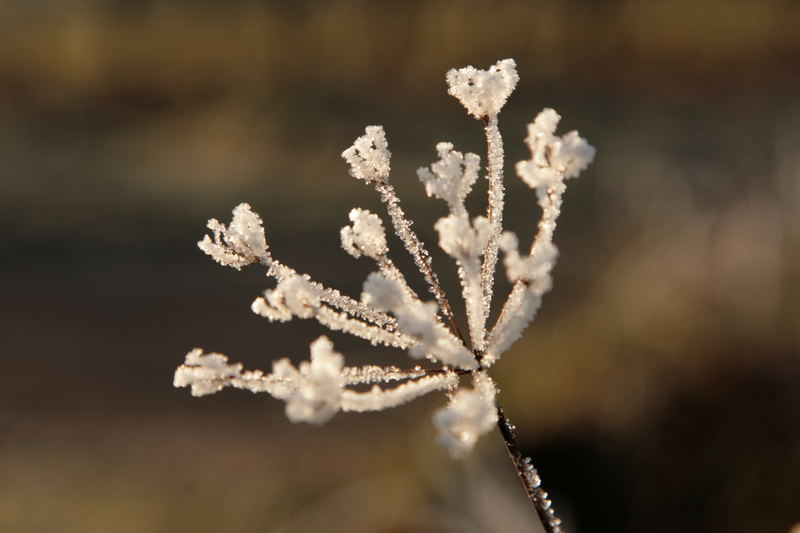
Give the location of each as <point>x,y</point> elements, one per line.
<point>658,388</point>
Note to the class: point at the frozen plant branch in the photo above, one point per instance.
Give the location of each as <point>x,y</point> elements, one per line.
<point>388,311</point>
<point>483,93</point>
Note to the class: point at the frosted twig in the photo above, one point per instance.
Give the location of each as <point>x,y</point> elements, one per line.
<point>465,243</point>
<point>553,160</point>
<point>390,271</point>
<point>281,306</point>
<point>451,179</point>
<point>340,322</point>
<point>244,242</point>
<point>366,236</point>
<point>377,399</point>
<point>483,93</point>
<point>332,297</point>
<point>315,390</point>
<point>417,320</point>
<point>416,249</point>
<point>494,210</point>
<point>368,374</point>
<point>528,476</point>
<point>389,311</point>
<point>518,311</point>
<point>369,159</point>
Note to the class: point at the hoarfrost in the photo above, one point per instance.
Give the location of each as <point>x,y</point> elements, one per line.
<point>468,415</point>
<point>553,158</point>
<point>239,244</point>
<point>366,236</point>
<point>451,177</point>
<point>369,156</point>
<point>483,92</point>
<point>389,312</point>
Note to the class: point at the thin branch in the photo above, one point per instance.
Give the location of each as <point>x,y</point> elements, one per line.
<point>377,399</point>
<point>528,476</point>
<point>332,297</point>
<point>390,271</point>
<point>494,210</point>
<point>550,200</point>
<point>337,321</point>
<point>469,274</point>
<point>417,250</point>
<point>371,374</point>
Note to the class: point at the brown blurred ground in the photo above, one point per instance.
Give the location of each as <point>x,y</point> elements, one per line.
<point>658,389</point>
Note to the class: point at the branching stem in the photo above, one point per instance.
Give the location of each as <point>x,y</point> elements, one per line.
<point>390,312</point>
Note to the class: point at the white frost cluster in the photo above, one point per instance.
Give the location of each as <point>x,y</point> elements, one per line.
<point>389,312</point>
<point>369,156</point>
<point>462,240</point>
<point>451,177</point>
<point>483,92</point>
<point>205,373</point>
<point>294,296</point>
<point>318,384</point>
<point>470,414</point>
<point>533,268</point>
<point>553,158</point>
<point>239,244</point>
<point>366,236</point>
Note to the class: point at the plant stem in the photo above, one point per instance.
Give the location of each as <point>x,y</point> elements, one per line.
<point>416,249</point>
<point>528,476</point>
<point>494,209</point>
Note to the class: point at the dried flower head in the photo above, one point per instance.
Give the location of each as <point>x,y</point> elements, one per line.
<point>389,312</point>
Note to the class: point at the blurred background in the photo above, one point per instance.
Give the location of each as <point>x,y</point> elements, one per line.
<point>658,390</point>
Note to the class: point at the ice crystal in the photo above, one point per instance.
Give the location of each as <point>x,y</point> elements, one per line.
<point>388,311</point>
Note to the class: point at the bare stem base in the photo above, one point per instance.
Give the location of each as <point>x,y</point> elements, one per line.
<point>528,476</point>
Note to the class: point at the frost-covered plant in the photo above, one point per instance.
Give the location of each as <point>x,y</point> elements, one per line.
<point>389,311</point>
